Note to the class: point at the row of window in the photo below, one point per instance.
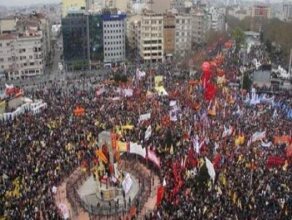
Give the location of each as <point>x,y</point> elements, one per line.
<point>36,56</point>
<point>153,48</point>
<point>25,72</point>
<point>113,31</point>
<point>152,35</point>
<point>114,54</point>
<point>153,54</point>
<point>152,21</point>
<point>183,34</point>
<point>113,42</point>
<point>152,41</point>
<point>113,25</point>
<point>114,37</point>
<point>113,48</point>
<point>183,21</point>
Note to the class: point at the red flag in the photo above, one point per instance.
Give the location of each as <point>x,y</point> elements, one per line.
<point>274,161</point>
<point>216,161</point>
<point>191,159</point>
<point>160,193</point>
<point>289,150</point>
<point>210,91</point>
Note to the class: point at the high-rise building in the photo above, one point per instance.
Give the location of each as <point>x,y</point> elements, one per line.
<point>25,45</point>
<point>151,45</point>
<point>287,11</point>
<point>114,37</point>
<point>199,25</point>
<point>183,35</point>
<point>96,39</point>
<point>22,54</point>
<point>75,40</point>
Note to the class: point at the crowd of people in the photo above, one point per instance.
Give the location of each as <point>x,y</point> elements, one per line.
<point>38,151</point>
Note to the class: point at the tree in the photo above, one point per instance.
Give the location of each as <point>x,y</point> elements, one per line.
<point>246,82</point>
<point>239,37</point>
<point>202,177</point>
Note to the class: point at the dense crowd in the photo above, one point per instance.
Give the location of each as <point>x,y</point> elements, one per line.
<point>38,151</point>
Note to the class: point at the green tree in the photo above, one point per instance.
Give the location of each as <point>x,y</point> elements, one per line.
<point>239,37</point>
<point>246,82</point>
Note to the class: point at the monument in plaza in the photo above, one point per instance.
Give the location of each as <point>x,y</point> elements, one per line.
<point>108,187</point>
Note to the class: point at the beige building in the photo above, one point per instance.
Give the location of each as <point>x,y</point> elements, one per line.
<point>122,5</point>
<point>169,34</point>
<point>37,22</point>
<point>21,55</point>
<point>72,4</point>
<point>159,6</point>
<point>151,45</point>
<point>183,35</point>
<point>8,24</point>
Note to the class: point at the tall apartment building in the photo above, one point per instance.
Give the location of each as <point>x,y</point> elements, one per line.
<point>151,45</point>
<point>96,39</point>
<point>169,34</point>
<point>21,54</point>
<point>25,45</point>
<point>37,21</point>
<point>183,35</point>
<point>75,40</point>
<point>215,19</point>
<point>114,37</point>
<point>199,26</point>
<point>287,11</point>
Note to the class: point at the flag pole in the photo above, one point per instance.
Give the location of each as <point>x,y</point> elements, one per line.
<point>290,63</point>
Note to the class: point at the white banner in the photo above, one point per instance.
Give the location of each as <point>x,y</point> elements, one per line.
<point>148,133</point>
<point>210,168</point>
<point>173,115</point>
<point>128,92</point>
<point>258,136</point>
<point>144,117</point>
<point>127,183</point>
<point>172,103</point>
<point>137,149</point>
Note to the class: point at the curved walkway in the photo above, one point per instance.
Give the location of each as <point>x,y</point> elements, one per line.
<point>81,214</point>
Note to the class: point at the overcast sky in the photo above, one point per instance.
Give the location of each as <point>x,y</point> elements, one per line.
<point>28,2</point>
<point>25,2</point>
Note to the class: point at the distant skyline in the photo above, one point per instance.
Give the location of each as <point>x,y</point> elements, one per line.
<point>9,3</point>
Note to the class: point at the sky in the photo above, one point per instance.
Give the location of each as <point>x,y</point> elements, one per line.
<point>25,2</point>
<point>28,2</point>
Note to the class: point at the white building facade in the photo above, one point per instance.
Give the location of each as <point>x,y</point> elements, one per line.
<point>114,37</point>
<point>21,55</point>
